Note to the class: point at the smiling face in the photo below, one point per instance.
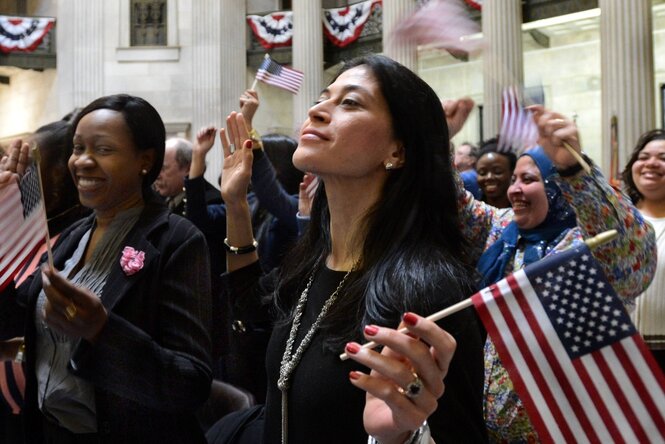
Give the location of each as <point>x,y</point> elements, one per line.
<point>493,175</point>
<point>649,171</point>
<point>527,194</point>
<point>105,164</point>
<point>348,132</point>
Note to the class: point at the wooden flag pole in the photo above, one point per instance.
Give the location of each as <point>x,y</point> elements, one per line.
<point>37,156</point>
<point>593,242</point>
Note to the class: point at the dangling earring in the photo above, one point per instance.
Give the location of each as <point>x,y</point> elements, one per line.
<point>389,166</point>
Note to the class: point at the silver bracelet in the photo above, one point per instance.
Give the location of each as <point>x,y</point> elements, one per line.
<point>421,436</point>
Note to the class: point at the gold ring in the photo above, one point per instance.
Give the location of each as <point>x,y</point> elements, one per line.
<point>414,388</point>
<point>70,311</point>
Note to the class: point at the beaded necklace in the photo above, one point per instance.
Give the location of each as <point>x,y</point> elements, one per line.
<point>291,360</point>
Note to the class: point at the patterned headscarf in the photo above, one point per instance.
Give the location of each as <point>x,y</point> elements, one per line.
<point>559,219</point>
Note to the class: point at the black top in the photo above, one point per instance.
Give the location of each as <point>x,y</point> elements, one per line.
<point>323,405</point>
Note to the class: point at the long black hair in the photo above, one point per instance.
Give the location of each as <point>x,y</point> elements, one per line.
<point>627,175</point>
<point>144,123</point>
<point>414,256</point>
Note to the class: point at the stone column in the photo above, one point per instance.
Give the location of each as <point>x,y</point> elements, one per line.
<point>307,55</point>
<point>80,49</point>
<point>502,57</point>
<point>393,12</point>
<point>218,67</point>
<point>627,67</point>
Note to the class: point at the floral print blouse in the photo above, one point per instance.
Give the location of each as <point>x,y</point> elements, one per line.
<point>629,262</point>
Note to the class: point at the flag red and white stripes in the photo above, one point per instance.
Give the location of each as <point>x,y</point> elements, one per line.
<point>577,362</point>
<point>23,226</point>
<point>518,131</point>
<point>273,73</point>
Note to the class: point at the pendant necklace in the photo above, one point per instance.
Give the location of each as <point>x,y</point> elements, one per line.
<point>290,360</point>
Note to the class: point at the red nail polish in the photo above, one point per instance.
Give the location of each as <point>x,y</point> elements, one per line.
<point>354,375</point>
<point>371,330</point>
<point>352,348</point>
<point>410,319</point>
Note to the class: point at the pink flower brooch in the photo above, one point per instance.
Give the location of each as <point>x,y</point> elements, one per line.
<point>131,260</point>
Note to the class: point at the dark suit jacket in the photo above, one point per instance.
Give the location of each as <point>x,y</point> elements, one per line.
<point>150,365</point>
<point>211,194</point>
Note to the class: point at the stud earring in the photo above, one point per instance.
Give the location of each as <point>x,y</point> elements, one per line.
<point>144,172</point>
<point>389,166</point>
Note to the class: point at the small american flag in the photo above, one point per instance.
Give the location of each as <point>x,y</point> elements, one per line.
<point>577,362</point>
<point>518,130</point>
<point>273,73</point>
<point>23,226</point>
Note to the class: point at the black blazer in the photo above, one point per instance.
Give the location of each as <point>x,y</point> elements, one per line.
<point>150,365</point>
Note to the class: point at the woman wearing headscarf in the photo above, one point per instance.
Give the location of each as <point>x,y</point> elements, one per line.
<point>555,204</point>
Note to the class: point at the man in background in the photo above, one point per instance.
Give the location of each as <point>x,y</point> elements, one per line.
<point>170,183</point>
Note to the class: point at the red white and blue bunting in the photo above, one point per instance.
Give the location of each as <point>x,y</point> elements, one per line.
<point>23,33</point>
<point>344,25</point>
<point>476,4</point>
<point>272,30</point>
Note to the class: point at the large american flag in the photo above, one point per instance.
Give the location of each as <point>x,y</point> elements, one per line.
<point>280,76</point>
<point>22,224</point>
<point>576,360</point>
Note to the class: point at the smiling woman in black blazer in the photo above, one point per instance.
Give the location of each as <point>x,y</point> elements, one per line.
<point>117,346</point>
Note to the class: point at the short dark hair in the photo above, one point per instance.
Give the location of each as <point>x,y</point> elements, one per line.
<point>627,175</point>
<point>143,121</point>
<point>492,146</point>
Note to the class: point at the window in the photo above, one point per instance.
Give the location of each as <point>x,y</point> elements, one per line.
<point>148,23</point>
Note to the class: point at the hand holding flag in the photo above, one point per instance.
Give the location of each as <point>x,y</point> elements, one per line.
<point>274,74</point>
<point>23,225</point>
<point>441,23</point>
<point>576,361</point>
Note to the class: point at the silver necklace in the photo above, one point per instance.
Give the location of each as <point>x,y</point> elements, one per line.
<point>291,360</point>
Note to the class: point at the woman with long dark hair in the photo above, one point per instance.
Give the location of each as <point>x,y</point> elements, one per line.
<point>377,251</point>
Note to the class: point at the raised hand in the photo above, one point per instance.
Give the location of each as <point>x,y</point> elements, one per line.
<point>249,103</point>
<point>457,112</point>
<point>554,131</point>
<point>71,310</point>
<point>205,139</point>
<point>238,159</point>
<point>306,193</point>
<point>15,162</point>
<point>406,379</point>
